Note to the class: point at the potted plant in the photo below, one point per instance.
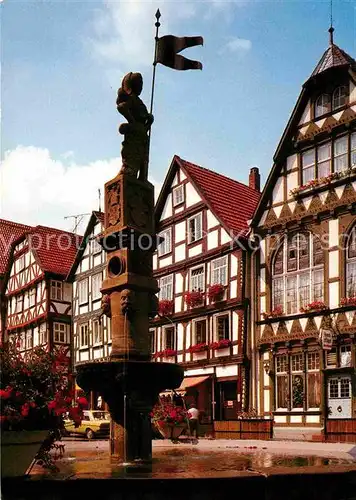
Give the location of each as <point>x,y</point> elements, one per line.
<point>169,419</point>
<point>203,346</point>
<point>194,298</point>
<point>275,313</point>
<point>165,307</point>
<point>317,305</point>
<point>35,394</point>
<point>221,344</point>
<point>216,292</point>
<point>166,353</point>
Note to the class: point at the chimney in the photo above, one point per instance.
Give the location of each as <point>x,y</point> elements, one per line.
<point>254,179</point>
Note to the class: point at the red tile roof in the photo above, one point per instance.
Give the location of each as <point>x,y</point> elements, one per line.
<point>9,232</point>
<point>231,201</point>
<point>54,249</point>
<point>332,57</point>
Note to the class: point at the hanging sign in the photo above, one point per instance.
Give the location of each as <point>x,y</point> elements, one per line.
<point>326,339</point>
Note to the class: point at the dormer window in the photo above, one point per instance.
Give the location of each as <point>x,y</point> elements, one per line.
<point>340,97</point>
<point>322,105</point>
<point>178,195</point>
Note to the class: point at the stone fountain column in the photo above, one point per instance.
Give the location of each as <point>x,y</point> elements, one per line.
<point>130,383</point>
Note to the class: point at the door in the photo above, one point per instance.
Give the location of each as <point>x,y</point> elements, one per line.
<point>339,396</point>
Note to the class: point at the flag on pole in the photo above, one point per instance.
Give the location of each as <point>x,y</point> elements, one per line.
<point>168,48</point>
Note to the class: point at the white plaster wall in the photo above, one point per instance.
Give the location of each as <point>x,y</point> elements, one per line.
<point>180,332</point>
<point>199,371</point>
<point>262,280</point>
<point>155,261</point>
<point>175,180</point>
<point>192,197</point>
<point>97,229</point>
<point>334,264</point>
<point>226,371</point>
<point>182,175</point>
<point>187,337</point>
<point>334,294</point>
<point>85,264</point>
<point>295,419</point>
<point>333,232</point>
<point>167,210</point>
<point>178,304</point>
<point>306,116</point>
<point>97,260</point>
<point>179,283</point>
<point>179,209</point>
<point>292,182</point>
<point>266,400</point>
<point>225,237</point>
<point>292,162</point>
<point>179,252</point>
<point>278,191</point>
<point>167,261</point>
<point>180,234</point>
<point>279,419</point>
<point>213,239</point>
<point>197,250</point>
<point>233,289</point>
<point>233,265</point>
<point>212,221</point>
<point>263,251</point>
<point>313,419</point>
<point>84,355</point>
<point>235,325</point>
<point>352,91</point>
<point>67,292</point>
<point>262,305</point>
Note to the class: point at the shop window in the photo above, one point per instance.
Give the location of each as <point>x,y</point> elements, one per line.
<point>345,356</point>
<point>281,382</point>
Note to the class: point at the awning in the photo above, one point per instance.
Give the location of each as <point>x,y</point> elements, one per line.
<point>186,384</point>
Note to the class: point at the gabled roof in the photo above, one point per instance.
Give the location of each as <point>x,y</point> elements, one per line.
<point>332,58</point>
<point>9,232</point>
<point>95,217</point>
<point>54,249</point>
<point>232,202</point>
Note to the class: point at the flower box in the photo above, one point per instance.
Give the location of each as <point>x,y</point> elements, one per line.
<point>323,181</point>
<point>194,299</point>
<point>198,348</point>
<point>171,431</point>
<point>221,344</point>
<point>275,313</point>
<point>348,301</point>
<point>165,307</point>
<point>313,306</point>
<point>166,353</point>
<point>216,292</point>
<point>18,450</point>
<point>169,419</point>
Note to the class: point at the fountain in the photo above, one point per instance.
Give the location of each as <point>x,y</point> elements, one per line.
<point>129,382</point>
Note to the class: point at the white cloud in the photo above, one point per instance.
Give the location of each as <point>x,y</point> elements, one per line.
<point>237,45</point>
<point>38,189</point>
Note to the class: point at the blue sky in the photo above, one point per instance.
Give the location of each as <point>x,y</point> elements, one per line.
<point>62,62</point>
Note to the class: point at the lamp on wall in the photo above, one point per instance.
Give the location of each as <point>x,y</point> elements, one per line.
<point>267,366</point>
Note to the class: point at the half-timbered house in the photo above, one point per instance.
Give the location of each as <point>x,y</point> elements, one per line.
<point>202,271</point>
<point>91,329</point>
<point>9,232</point>
<point>305,227</point>
<point>38,300</point>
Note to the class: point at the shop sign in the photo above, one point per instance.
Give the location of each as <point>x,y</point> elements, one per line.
<point>327,337</point>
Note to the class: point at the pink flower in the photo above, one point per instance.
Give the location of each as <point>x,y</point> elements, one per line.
<point>5,394</point>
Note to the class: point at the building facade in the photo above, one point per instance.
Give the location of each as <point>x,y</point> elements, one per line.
<point>202,273</point>
<point>38,299</point>
<point>91,329</point>
<point>304,320</point>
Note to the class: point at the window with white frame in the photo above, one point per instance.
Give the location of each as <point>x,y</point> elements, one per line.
<point>43,334</point>
<point>96,281</point>
<point>308,165</point>
<point>83,291</point>
<point>340,96</point>
<point>166,287</point>
<point>166,245</point>
<point>151,341</point>
<point>169,337</point>
<point>340,154</point>
<point>84,335</point>
<point>29,339</point>
<point>324,160</point>
<point>199,330</point>
<point>322,105</point>
<point>351,264</point>
<point>19,303</point>
<point>353,149</point>
<point>219,271</point>
<point>345,356</point>
<point>32,297</point>
<point>56,290</point>
<point>297,380</point>
<point>22,341</point>
<point>222,327</point>
<point>298,273</point>
<point>313,380</point>
<point>195,228</point>
<point>282,381</point>
<point>197,281</point>
<point>97,332</point>
<point>60,333</point>
<point>178,195</point>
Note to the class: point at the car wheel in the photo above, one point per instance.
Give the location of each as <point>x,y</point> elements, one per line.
<point>89,434</point>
